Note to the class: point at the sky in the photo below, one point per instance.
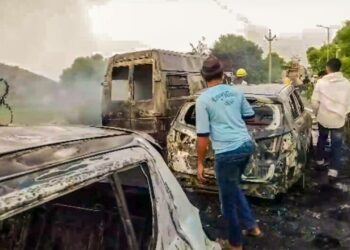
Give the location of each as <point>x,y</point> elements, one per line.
<point>45,36</point>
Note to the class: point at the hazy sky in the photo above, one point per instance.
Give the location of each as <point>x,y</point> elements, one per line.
<point>46,35</point>
<point>172,24</point>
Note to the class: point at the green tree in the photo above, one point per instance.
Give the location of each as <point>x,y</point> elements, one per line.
<point>340,47</point>
<point>83,71</point>
<point>237,52</point>
<point>81,85</point>
<point>201,48</point>
<point>342,39</point>
<point>277,67</point>
<point>318,57</point>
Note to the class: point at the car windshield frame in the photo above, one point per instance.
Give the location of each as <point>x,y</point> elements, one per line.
<point>275,107</point>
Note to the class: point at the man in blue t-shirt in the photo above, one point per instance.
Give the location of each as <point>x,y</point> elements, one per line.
<point>221,111</point>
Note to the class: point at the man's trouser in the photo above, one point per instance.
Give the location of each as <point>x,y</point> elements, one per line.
<point>229,168</point>
<point>337,136</point>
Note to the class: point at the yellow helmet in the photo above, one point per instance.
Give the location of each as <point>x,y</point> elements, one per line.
<point>241,73</point>
<point>287,81</point>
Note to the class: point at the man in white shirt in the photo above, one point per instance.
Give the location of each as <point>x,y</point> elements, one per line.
<point>331,103</point>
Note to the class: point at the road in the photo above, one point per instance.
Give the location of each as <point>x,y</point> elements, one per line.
<point>317,217</point>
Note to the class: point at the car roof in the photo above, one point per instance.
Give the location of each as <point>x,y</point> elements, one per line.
<point>45,162</point>
<point>168,60</point>
<point>26,149</point>
<point>268,89</point>
<point>19,138</point>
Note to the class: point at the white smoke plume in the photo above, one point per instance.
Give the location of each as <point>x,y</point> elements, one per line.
<point>45,35</point>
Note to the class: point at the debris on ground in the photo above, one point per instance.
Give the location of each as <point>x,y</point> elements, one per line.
<point>314,218</point>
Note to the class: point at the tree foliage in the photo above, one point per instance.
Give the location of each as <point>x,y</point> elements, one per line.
<point>342,39</point>
<point>237,52</point>
<point>83,71</point>
<point>81,85</point>
<point>201,48</point>
<point>340,47</point>
<point>277,67</point>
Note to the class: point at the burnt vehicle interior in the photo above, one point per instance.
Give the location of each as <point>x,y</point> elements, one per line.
<point>88,218</point>
<point>120,84</point>
<point>142,83</point>
<point>263,115</point>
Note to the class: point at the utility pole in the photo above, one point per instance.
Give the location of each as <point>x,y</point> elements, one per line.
<point>270,39</point>
<point>328,37</point>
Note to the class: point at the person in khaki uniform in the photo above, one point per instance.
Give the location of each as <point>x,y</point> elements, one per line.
<point>293,78</point>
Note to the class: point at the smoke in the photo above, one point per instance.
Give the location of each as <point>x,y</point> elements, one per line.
<point>229,10</point>
<point>45,35</point>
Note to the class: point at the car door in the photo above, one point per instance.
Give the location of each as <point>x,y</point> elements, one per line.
<point>301,127</point>
<point>116,98</point>
<point>306,121</point>
<point>182,144</point>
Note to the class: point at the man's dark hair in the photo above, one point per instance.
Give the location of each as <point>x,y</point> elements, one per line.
<point>334,64</point>
<point>213,77</point>
<point>212,69</point>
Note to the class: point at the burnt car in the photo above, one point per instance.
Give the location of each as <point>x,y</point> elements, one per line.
<point>91,188</point>
<point>143,90</point>
<point>282,132</point>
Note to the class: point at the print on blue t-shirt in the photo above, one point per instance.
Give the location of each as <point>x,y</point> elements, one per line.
<point>220,111</point>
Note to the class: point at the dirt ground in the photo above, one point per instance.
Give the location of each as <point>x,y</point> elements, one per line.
<point>317,217</point>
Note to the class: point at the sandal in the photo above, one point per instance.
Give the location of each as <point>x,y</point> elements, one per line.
<point>255,232</point>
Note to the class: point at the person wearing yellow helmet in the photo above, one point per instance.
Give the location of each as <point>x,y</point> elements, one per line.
<point>241,74</point>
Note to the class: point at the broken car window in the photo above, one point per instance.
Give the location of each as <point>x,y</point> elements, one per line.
<point>190,116</point>
<point>89,218</point>
<point>298,102</point>
<point>138,191</point>
<point>143,82</point>
<point>120,84</point>
<point>84,219</point>
<point>294,107</point>
<point>177,86</point>
<point>263,115</point>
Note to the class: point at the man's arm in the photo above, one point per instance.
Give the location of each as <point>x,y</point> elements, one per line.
<point>202,148</point>
<point>247,111</point>
<point>315,98</point>
<point>203,131</point>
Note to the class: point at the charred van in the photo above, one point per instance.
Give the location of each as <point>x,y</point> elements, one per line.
<point>144,90</point>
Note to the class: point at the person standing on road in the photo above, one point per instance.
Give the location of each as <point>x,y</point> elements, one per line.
<point>331,103</point>
<point>241,75</point>
<point>220,114</point>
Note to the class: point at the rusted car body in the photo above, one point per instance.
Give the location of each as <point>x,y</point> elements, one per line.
<point>91,188</point>
<point>144,90</point>
<point>282,131</point>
